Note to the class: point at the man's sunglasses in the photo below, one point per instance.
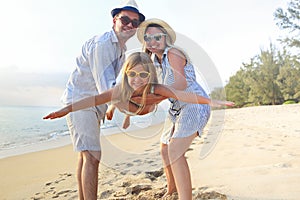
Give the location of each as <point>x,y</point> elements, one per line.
<point>126,20</point>
<point>142,74</point>
<point>156,37</point>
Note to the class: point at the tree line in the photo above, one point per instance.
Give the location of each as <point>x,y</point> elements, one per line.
<point>271,77</point>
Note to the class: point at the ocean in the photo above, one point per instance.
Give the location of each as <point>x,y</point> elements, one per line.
<point>22,129</point>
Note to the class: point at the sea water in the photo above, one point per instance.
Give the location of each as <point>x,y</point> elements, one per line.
<point>23,130</point>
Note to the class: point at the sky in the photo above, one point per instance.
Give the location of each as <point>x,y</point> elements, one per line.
<point>40,39</point>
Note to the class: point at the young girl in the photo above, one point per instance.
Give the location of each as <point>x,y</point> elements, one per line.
<point>138,79</point>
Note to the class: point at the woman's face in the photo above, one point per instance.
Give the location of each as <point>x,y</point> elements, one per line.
<point>155,40</point>
<point>137,77</point>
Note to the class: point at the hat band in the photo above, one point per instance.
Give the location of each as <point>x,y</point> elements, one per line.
<point>130,8</point>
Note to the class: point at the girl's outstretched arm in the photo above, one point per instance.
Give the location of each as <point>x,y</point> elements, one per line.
<point>188,97</point>
<point>82,104</point>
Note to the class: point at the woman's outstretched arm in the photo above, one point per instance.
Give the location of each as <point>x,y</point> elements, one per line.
<point>188,97</point>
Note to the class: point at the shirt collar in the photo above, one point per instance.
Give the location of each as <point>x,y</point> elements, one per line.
<point>114,36</point>
<point>163,56</point>
<point>114,39</point>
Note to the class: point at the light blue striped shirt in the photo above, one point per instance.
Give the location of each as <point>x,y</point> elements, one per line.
<point>187,118</point>
<point>97,68</point>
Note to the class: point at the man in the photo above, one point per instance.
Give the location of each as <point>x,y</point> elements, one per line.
<point>96,71</point>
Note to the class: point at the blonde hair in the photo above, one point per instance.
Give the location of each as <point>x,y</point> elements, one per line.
<point>137,58</point>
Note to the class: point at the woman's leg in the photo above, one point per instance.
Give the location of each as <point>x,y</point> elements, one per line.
<point>179,165</point>
<point>171,188</point>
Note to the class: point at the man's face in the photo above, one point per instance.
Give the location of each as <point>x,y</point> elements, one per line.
<point>126,23</point>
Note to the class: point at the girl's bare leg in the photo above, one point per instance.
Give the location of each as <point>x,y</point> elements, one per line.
<point>126,122</point>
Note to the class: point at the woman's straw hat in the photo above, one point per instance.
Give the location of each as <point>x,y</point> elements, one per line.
<point>143,26</point>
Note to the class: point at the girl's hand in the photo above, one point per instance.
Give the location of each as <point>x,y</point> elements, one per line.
<point>110,112</point>
<point>57,114</point>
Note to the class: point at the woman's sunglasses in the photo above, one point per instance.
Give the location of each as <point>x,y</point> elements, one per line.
<point>126,20</point>
<point>142,74</point>
<point>156,37</point>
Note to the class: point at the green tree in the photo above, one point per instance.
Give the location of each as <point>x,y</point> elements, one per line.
<point>267,71</point>
<point>289,76</point>
<point>237,89</point>
<point>218,93</point>
<point>290,20</point>
<point>256,82</point>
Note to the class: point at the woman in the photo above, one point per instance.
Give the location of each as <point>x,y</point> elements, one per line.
<point>188,120</point>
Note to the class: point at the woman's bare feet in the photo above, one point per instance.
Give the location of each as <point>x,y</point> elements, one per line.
<point>169,194</point>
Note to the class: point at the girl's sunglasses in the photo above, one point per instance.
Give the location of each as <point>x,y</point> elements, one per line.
<point>156,37</point>
<point>126,20</point>
<point>142,74</point>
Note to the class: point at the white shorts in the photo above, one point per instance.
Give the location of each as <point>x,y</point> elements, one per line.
<point>84,126</point>
<point>167,131</point>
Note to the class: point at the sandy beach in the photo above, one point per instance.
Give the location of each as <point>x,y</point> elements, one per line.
<point>244,154</point>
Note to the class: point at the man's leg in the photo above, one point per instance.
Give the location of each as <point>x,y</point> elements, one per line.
<point>84,128</point>
<point>79,172</point>
<point>89,174</point>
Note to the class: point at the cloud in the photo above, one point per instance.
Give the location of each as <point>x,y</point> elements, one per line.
<point>34,89</point>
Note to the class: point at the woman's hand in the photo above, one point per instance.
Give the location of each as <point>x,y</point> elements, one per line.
<point>218,103</point>
<point>57,114</point>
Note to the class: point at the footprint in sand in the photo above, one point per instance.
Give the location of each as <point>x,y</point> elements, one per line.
<point>153,175</point>
<point>52,189</point>
<point>283,165</point>
<point>129,165</point>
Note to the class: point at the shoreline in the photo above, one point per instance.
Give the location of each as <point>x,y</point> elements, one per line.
<point>61,142</point>
<point>37,147</point>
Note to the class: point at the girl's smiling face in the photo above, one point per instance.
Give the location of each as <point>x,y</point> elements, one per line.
<point>137,77</point>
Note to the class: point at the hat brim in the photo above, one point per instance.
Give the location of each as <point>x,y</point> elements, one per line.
<point>143,26</point>
<point>115,11</point>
